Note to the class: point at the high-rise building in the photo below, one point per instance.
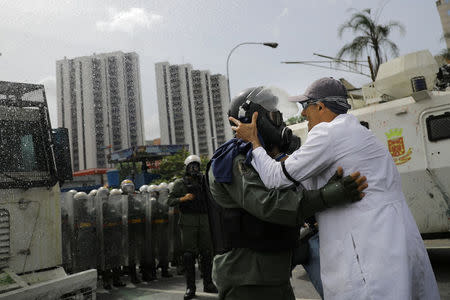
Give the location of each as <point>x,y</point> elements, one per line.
<point>191,106</point>
<point>443,7</point>
<point>99,102</point>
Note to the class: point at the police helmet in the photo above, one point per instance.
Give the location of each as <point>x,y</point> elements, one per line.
<point>93,193</point>
<point>273,109</point>
<point>127,186</point>
<point>191,159</point>
<point>80,196</point>
<point>170,186</point>
<point>143,189</point>
<point>163,186</point>
<point>152,188</point>
<point>102,191</point>
<point>115,192</point>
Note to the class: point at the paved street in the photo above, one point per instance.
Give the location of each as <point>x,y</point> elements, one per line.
<point>173,288</point>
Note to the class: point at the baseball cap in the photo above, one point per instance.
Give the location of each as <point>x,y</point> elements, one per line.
<point>326,89</point>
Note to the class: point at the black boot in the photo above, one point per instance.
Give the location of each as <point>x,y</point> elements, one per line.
<point>165,272</point>
<point>116,278</point>
<point>147,273</point>
<point>133,275</point>
<point>208,285</point>
<point>189,265</point>
<point>106,278</point>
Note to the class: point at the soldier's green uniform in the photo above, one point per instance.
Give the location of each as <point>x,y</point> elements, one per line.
<point>194,225</point>
<point>193,222</point>
<point>243,273</point>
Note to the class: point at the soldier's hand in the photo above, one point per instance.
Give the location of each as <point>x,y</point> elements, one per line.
<point>341,190</point>
<point>187,197</point>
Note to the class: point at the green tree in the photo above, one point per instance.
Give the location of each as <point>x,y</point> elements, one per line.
<point>295,120</point>
<point>172,166</point>
<point>128,169</point>
<point>371,38</point>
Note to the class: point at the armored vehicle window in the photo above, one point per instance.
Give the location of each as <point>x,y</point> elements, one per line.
<point>438,127</point>
<point>21,147</point>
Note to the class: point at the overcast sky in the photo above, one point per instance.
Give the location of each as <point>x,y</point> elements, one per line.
<point>36,33</point>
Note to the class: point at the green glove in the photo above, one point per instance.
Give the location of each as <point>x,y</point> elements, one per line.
<point>339,191</point>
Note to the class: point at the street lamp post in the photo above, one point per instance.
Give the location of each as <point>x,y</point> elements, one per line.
<point>270,44</point>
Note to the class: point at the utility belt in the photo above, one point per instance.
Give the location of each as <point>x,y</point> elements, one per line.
<point>160,221</point>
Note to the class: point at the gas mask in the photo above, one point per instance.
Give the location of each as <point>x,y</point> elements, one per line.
<point>193,170</point>
<point>271,127</point>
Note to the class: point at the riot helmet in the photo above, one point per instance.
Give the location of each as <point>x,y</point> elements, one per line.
<point>192,163</point>
<point>143,189</point>
<point>103,191</point>
<point>153,190</point>
<point>116,192</point>
<point>163,186</point>
<point>93,193</point>
<point>273,109</point>
<point>127,186</point>
<point>170,186</point>
<point>81,199</point>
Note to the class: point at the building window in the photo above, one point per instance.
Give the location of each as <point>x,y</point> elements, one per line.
<point>448,12</point>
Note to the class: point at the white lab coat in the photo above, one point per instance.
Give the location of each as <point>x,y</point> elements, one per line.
<point>371,249</point>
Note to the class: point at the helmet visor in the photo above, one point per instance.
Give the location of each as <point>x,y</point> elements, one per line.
<point>274,99</point>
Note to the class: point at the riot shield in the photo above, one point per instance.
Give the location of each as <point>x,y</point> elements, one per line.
<point>125,238</point>
<point>67,229</point>
<point>147,259</point>
<point>136,228</point>
<point>114,222</point>
<point>160,233</point>
<point>163,196</point>
<point>101,198</point>
<point>175,249</point>
<point>85,235</point>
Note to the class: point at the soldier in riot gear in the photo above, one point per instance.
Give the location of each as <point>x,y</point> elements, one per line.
<point>85,235</point>
<point>255,229</point>
<point>136,228</point>
<point>190,194</point>
<point>112,209</point>
<point>160,235</point>
<point>175,233</point>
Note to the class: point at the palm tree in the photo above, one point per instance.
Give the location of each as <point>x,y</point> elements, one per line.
<point>372,38</point>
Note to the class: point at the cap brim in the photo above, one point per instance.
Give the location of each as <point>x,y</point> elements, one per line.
<point>300,98</point>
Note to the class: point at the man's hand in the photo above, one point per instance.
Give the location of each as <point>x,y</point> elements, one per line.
<point>247,132</point>
<point>341,190</point>
<point>187,197</point>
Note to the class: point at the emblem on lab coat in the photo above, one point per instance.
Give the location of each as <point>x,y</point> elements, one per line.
<point>396,146</point>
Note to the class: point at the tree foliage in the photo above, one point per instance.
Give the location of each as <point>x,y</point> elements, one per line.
<point>295,120</point>
<point>173,167</point>
<point>372,38</point>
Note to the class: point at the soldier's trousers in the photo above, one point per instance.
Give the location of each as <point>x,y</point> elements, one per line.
<point>195,234</point>
<point>260,292</point>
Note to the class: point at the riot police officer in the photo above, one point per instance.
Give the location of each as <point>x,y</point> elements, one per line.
<point>113,234</point>
<point>85,235</point>
<point>136,228</point>
<point>190,194</point>
<point>175,235</point>
<point>160,235</point>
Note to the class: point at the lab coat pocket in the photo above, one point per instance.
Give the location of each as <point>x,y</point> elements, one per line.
<point>352,270</point>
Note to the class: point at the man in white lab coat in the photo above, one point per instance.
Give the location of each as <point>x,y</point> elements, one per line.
<point>371,249</point>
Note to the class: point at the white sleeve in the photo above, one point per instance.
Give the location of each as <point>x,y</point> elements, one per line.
<point>312,158</point>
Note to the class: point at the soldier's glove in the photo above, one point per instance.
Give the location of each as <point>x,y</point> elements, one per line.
<point>339,191</point>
